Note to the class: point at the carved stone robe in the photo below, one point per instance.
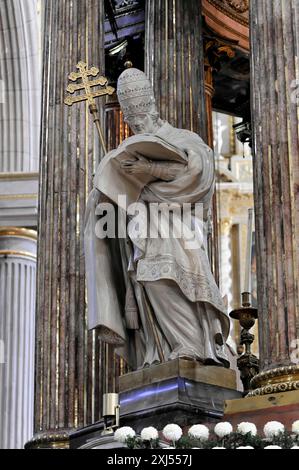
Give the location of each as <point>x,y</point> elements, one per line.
<point>155,291</point>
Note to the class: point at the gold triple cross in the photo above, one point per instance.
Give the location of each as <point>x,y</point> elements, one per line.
<point>90,94</point>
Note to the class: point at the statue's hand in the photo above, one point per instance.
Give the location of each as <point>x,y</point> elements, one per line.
<point>138,166</point>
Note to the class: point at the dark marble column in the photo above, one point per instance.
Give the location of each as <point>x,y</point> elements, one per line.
<point>175,61</point>
<point>68,380</point>
<point>275,50</point>
<point>116,129</point>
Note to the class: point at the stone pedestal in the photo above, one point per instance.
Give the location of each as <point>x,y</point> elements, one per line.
<point>180,391</point>
<point>17,334</point>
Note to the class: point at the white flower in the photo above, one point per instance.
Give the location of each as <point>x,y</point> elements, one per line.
<point>223,429</point>
<point>199,431</point>
<point>295,447</point>
<point>124,433</point>
<point>273,428</point>
<point>295,427</point>
<point>169,447</point>
<point>244,447</point>
<point>172,432</point>
<point>272,447</point>
<point>246,428</point>
<point>149,434</point>
<point>221,448</point>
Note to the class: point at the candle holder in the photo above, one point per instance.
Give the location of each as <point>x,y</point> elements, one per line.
<point>111,410</point>
<point>248,363</point>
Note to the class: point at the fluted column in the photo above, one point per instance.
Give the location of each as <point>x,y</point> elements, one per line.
<point>68,379</point>
<point>20,86</point>
<point>17,333</point>
<point>226,261</point>
<point>116,128</point>
<point>175,61</point>
<point>274,64</point>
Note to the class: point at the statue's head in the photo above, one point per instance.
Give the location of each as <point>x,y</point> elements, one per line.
<point>137,101</point>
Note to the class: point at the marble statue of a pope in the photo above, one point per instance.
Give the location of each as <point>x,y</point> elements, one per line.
<point>153,297</point>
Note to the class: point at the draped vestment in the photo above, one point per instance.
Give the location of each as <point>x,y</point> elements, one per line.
<point>127,277</point>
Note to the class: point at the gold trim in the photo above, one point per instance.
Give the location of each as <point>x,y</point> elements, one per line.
<point>20,254</point>
<point>234,15</point>
<point>282,379</point>
<point>272,376</point>
<point>18,176</point>
<point>49,440</point>
<point>18,232</point>
<point>275,388</point>
<point>8,197</point>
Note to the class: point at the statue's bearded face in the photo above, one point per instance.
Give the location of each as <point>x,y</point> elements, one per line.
<point>142,123</point>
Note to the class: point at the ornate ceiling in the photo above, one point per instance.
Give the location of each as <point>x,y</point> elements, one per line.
<point>229,19</point>
<point>235,9</point>
<point>226,21</point>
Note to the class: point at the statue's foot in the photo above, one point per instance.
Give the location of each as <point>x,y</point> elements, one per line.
<point>184,353</point>
<point>146,365</point>
<point>188,358</point>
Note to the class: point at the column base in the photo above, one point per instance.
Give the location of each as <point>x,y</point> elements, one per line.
<point>282,379</point>
<point>259,410</point>
<point>50,440</point>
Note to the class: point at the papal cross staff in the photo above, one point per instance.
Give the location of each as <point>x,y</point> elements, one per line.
<point>90,93</point>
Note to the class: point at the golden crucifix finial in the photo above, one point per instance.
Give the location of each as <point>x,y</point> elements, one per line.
<point>90,93</point>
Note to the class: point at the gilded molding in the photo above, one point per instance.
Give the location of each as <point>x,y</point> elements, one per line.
<point>12,197</point>
<point>18,232</point>
<point>19,254</point>
<point>234,9</point>
<point>18,176</point>
<point>241,6</point>
<point>275,388</point>
<point>282,379</point>
<point>50,440</point>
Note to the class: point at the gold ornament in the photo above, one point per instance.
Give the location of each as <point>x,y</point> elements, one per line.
<point>90,95</point>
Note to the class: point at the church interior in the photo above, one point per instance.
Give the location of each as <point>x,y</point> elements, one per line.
<point>226,70</point>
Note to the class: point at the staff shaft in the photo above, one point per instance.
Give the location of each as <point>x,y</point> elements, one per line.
<point>96,119</point>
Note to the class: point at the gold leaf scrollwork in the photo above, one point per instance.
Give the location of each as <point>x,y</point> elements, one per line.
<point>241,6</point>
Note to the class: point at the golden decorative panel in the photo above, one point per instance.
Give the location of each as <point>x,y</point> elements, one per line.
<point>238,10</point>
